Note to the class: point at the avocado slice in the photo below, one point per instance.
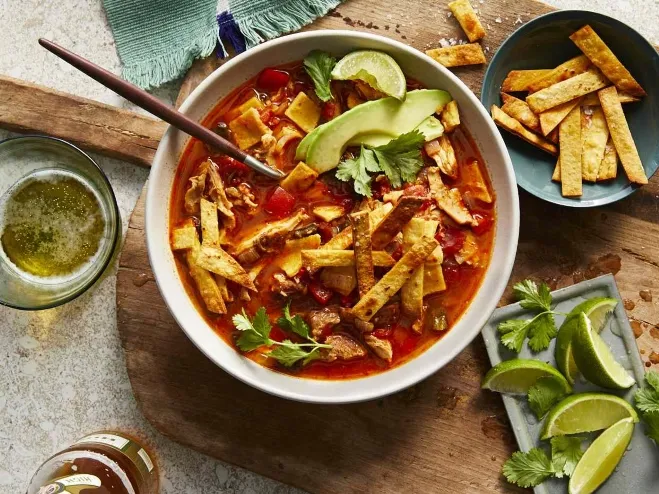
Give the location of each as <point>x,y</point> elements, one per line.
<point>431,128</point>
<point>384,116</point>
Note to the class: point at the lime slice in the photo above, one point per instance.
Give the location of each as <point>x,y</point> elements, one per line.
<point>597,309</point>
<point>602,457</point>
<point>586,412</point>
<point>376,69</point>
<point>594,358</point>
<point>516,376</point>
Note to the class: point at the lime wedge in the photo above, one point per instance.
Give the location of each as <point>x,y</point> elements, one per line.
<point>594,358</point>
<point>376,69</point>
<point>586,412</point>
<point>597,309</point>
<point>602,457</point>
<point>516,376</point>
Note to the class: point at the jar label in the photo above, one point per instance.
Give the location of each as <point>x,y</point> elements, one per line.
<point>107,439</point>
<point>72,484</point>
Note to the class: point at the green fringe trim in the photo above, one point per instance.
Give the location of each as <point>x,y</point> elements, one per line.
<point>154,72</point>
<point>279,18</point>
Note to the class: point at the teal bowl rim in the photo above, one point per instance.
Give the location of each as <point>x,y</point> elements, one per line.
<point>117,231</point>
<point>547,19</point>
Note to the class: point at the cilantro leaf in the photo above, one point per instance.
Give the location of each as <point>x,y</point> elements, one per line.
<point>255,333</point>
<point>541,331</point>
<point>565,454</point>
<point>544,394</point>
<point>531,297</point>
<point>513,333</point>
<point>319,65</point>
<point>288,353</point>
<point>295,324</point>
<point>651,425</point>
<point>400,159</point>
<point>357,169</point>
<point>652,378</point>
<point>528,469</point>
<point>647,400</point>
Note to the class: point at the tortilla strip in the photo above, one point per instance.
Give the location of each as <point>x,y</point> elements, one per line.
<point>216,191</point>
<point>433,275</point>
<point>411,295</point>
<point>343,239</point>
<point>603,58</point>
<point>215,260</point>
<point>361,239</point>
<point>299,179</point>
<point>565,91</point>
<point>570,146</point>
<point>221,281</point>
<point>442,152</point>
<point>395,220</point>
<point>394,279</point>
<point>458,55</point>
<point>609,166</point>
<point>208,289</point>
<point>341,279</point>
<point>450,116</point>
<point>592,99</point>
<point>594,135</point>
<point>290,261</point>
<point>474,181</point>
<point>210,229</point>
<point>184,237</point>
<point>465,15</point>
<point>550,119</point>
<point>270,230</point>
<point>449,201</point>
<point>564,71</point>
<point>556,176</point>
<point>520,111</point>
<point>320,258</point>
<point>514,127</point>
<point>622,136</point>
<point>519,80</point>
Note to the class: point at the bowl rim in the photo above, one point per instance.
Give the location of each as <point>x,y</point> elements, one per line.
<point>521,32</point>
<point>117,224</point>
<point>504,269</point>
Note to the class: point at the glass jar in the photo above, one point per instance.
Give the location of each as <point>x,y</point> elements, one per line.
<point>100,463</point>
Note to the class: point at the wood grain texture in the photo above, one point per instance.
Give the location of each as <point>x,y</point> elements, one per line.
<point>441,436</point>
<point>105,129</point>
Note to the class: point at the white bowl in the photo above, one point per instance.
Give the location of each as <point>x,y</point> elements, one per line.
<point>415,64</point>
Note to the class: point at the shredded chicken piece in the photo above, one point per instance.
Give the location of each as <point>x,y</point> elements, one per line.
<point>286,287</point>
<point>241,195</point>
<point>272,230</point>
<point>382,348</point>
<point>196,189</point>
<point>217,193</point>
<point>344,347</point>
<point>367,92</point>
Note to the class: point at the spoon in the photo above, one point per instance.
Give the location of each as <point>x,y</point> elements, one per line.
<point>156,107</point>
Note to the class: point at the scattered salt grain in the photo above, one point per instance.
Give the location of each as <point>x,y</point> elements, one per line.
<point>449,14</point>
<point>488,26</point>
<point>518,20</point>
<point>444,43</point>
<point>498,20</point>
<point>487,49</point>
<point>588,110</point>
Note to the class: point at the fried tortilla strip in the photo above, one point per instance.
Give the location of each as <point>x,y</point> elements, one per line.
<point>441,150</point>
<point>290,260</point>
<point>395,220</point>
<point>603,58</point>
<point>466,16</point>
<point>458,55</point>
<point>450,116</point>
<point>592,99</point>
<point>215,260</point>
<point>221,281</point>
<point>520,111</point>
<point>361,239</point>
<point>210,229</point>
<point>320,258</point>
<point>300,178</point>
<point>184,237</point>
<point>553,136</point>
<point>449,201</point>
<point>570,136</point>
<point>514,127</point>
<point>565,91</point>
<point>474,181</point>
<point>564,71</point>
<point>556,176</point>
<point>394,279</point>
<point>622,136</point>
<point>271,230</point>
<point>520,80</point>
<point>550,119</point>
<point>341,279</point>
<point>343,239</point>
<point>411,295</point>
<point>594,136</point>
<point>208,289</point>
<point>433,278</point>
<point>609,166</point>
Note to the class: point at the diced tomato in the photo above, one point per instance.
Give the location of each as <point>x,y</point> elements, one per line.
<point>229,165</point>
<point>321,294</point>
<point>383,333</point>
<point>277,334</point>
<point>380,188</point>
<point>280,203</point>
<point>302,276</point>
<point>272,79</point>
<point>330,110</point>
<point>416,190</point>
<point>451,240</point>
<point>347,301</point>
<point>452,273</point>
<point>326,232</point>
<point>483,222</point>
<point>347,203</point>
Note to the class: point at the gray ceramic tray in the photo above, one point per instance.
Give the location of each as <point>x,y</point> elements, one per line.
<point>638,471</point>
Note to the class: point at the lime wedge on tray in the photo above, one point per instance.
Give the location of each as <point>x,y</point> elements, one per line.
<point>377,69</point>
<point>601,458</point>
<point>516,376</point>
<point>586,412</point>
<point>594,358</point>
<point>597,310</point>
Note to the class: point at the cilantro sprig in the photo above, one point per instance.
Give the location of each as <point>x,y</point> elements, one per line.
<point>647,402</point>
<point>400,160</point>
<point>565,454</point>
<point>544,394</point>
<point>319,65</point>
<point>256,333</point>
<point>540,329</point>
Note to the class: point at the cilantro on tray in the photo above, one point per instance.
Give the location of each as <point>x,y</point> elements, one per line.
<point>565,454</point>
<point>400,160</point>
<point>319,65</point>
<point>545,393</point>
<point>528,469</point>
<point>647,401</point>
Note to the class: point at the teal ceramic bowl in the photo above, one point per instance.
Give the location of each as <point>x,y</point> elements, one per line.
<point>544,43</point>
